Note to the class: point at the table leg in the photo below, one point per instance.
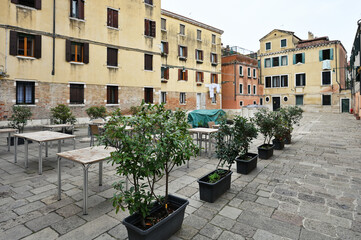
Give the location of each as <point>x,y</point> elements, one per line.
<point>26,153</point>
<point>15,149</point>
<point>59,178</point>
<point>59,146</point>
<point>199,135</point>
<point>126,183</point>
<point>46,149</point>
<point>8,142</point>
<point>210,146</point>
<point>40,158</point>
<point>206,138</point>
<point>74,143</point>
<point>85,189</point>
<point>100,173</point>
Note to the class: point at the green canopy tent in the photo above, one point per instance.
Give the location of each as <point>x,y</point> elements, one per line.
<point>200,118</point>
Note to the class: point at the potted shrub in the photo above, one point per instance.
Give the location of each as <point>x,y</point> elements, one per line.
<point>18,120</point>
<point>280,131</point>
<point>159,141</point>
<point>62,114</point>
<point>245,132</point>
<point>265,120</point>
<point>217,182</point>
<point>97,112</point>
<point>292,116</point>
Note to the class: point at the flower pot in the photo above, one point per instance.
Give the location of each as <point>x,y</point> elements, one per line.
<point>21,141</point>
<point>209,192</point>
<point>287,139</point>
<point>164,229</point>
<point>245,166</point>
<point>278,144</point>
<point>265,151</point>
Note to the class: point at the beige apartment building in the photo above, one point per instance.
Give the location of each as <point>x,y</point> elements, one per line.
<point>86,53</point>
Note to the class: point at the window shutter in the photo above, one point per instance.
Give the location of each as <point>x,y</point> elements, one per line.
<point>202,76</point>
<point>116,95</point>
<point>215,58</point>
<point>195,56</point>
<point>216,78</point>
<point>151,95</point>
<point>109,22</point>
<point>13,43</point>
<point>259,63</point>
<point>186,51</point>
<point>186,75</point>
<point>146,27</point>
<point>264,63</point>
<point>179,50</point>
<point>115,19</point>
<point>115,57</point>
<point>294,58</point>
<point>331,54</point>
<point>287,60</point>
<point>303,57</point>
<point>81,9</point>
<point>38,4</point>
<point>153,28</point>
<point>15,1</point>
<point>86,53</point>
<point>108,94</point>
<point>166,48</point>
<point>321,55</point>
<point>109,58</point>
<point>210,57</point>
<point>68,50</point>
<point>37,53</point>
<point>179,74</point>
<point>166,73</point>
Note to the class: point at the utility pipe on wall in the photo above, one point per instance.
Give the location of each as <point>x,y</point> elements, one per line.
<point>53,70</point>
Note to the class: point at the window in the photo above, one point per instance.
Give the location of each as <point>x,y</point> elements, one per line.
<point>25,45</point>
<point>76,93</point>
<point>148,62</point>
<point>268,82</point>
<point>283,43</point>
<point>213,39</point>
<point>182,52</point>
<point>299,99</point>
<point>199,55</point>
<point>25,92</point>
<point>249,72</point>
<point>164,73</point>
<point>276,81</point>
<point>199,35</point>
<point>254,73</point>
<point>183,74</point>
<point>326,54</point>
<point>284,81</point>
<point>268,46</point>
<point>285,99</point>
<point>261,101</point>
<point>163,97</point>
<point>300,80</point>
<point>240,70</point>
<point>149,28</point>
<point>112,57</point>
<point>214,59</point>
<point>214,78</point>
<point>29,3</point>
<point>284,61</point>
<point>275,62</point>
<point>255,102</point>
<point>182,29</point>
<point>163,24</point>
<point>254,89</point>
<point>241,103</point>
<point>112,94</point>
<point>326,100</point>
<point>182,98</point>
<point>77,9</point>
<point>298,58</point>
<point>267,62</point>
<point>148,95</point>
<point>112,20</point>
<point>267,99</point>
<point>241,88</point>
<point>326,78</point>
<point>150,2</point>
<point>214,98</point>
<point>199,77</point>
<point>77,52</point>
<point>249,89</point>
<point>164,48</point>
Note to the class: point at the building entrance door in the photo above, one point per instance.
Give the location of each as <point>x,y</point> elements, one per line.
<point>276,103</point>
<point>345,103</point>
<point>199,99</point>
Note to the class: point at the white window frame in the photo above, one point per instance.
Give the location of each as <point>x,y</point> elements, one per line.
<point>330,78</point>
<point>281,63</point>
<point>240,71</point>
<point>254,73</point>
<point>214,37</point>
<point>197,55</point>
<point>265,45</point>
<point>214,98</point>
<point>288,80</point>
<point>249,89</point>
<point>163,96</point>
<point>254,90</point>
<point>330,99</point>
<point>180,29</point>
<point>296,79</point>
<point>270,61</point>
<point>163,29</point>
<point>182,98</point>
<point>265,81</point>
<point>241,103</point>
<point>241,88</point>
<point>181,51</point>
<point>249,73</point>
<point>200,37</point>
<point>303,99</point>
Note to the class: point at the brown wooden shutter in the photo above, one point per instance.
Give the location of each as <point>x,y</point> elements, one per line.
<point>216,78</point>
<point>115,19</point>
<point>109,57</point>
<point>210,57</point>
<point>202,76</point>
<point>195,56</point>
<point>166,47</point>
<point>116,95</point>
<point>215,58</point>
<point>179,50</point>
<point>108,94</point>
<point>15,1</point>
<point>186,75</point>
<point>38,4</point>
<point>37,53</point>
<point>109,18</point>
<point>81,9</point>
<point>166,73</point>
<point>86,53</point>
<point>151,95</point>
<point>179,74</point>
<point>185,52</point>
<point>68,50</point>
<point>153,28</point>
<point>146,27</point>
<point>13,43</point>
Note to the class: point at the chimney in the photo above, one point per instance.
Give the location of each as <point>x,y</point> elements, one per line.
<point>310,35</point>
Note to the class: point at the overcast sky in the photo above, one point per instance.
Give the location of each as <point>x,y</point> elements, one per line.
<point>244,22</point>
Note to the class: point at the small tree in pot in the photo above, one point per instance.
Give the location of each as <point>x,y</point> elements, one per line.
<point>292,116</point>
<point>61,114</point>
<point>18,120</point>
<point>96,112</point>
<point>280,130</point>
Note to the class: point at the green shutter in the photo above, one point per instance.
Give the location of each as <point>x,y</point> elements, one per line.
<point>286,60</point>
<point>259,63</point>
<point>271,62</point>
<point>321,57</point>
<point>331,54</point>
<point>265,63</point>
<point>294,58</point>
<point>303,57</point>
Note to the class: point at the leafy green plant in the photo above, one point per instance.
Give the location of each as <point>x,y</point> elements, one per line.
<point>97,112</point>
<point>159,141</point>
<point>20,117</point>
<point>266,122</point>
<point>61,114</point>
<point>281,128</point>
<point>292,116</point>
<point>214,177</point>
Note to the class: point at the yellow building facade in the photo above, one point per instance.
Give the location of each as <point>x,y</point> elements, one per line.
<point>82,54</point>
<point>309,73</point>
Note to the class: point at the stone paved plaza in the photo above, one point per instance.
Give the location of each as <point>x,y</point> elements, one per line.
<point>309,190</point>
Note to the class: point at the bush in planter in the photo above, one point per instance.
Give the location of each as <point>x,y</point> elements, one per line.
<point>159,141</point>
<point>96,112</point>
<point>20,117</point>
<point>292,116</point>
<point>61,114</point>
<point>280,130</point>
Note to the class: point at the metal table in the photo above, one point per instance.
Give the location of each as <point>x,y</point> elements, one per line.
<point>62,126</point>
<point>86,157</point>
<point>8,131</point>
<point>207,133</point>
<point>41,137</point>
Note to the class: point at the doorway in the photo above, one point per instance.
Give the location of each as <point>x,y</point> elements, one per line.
<point>276,103</point>
<point>199,99</point>
<point>345,105</point>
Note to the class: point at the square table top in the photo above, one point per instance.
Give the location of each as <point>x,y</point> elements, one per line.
<point>203,130</point>
<point>44,136</point>
<point>8,130</point>
<point>57,126</point>
<point>88,155</point>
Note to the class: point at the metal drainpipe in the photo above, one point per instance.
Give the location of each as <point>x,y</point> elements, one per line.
<point>340,86</point>
<point>53,71</point>
<point>6,47</point>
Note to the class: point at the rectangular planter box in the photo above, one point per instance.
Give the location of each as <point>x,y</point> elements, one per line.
<point>162,230</point>
<point>278,144</point>
<point>21,141</point>
<point>246,166</point>
<point>265,151</point>
<point>209,192</point>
